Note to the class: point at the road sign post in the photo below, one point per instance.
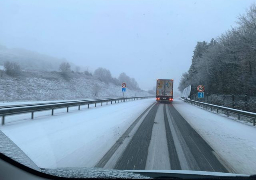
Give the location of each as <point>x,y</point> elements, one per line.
<point>123,88</point>
<point>200,90</point>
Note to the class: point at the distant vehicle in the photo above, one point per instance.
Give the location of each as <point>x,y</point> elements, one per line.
<point>164,90</point>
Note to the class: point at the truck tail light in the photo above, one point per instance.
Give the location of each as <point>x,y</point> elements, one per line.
<point>170,99</point>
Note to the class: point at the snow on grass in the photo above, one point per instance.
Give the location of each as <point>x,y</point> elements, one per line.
<point>76,139</point>
<point>233,141</point>
<point>45,86</point>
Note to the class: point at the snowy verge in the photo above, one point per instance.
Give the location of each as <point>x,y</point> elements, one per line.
<point>45,86</point>
<point>233,141</point>
<point>76,139</point>
<point>8,148</point>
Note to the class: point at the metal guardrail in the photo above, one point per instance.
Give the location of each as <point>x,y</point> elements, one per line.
<point>228,110</point>
<point>32,108</point>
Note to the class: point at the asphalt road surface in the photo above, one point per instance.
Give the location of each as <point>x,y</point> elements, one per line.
<point>161,139</point>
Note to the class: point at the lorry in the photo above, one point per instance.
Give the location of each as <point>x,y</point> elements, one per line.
<point>164,90</point>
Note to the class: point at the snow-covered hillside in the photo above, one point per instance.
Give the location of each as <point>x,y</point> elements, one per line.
<point>35,86</point>
<point>30,60</point>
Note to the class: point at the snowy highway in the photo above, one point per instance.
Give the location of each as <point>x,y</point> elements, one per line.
<point>164,140</point>
<point>137,135</point>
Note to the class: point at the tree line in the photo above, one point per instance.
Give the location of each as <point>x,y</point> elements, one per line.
<point>226,65</point>
<point>104,75</point>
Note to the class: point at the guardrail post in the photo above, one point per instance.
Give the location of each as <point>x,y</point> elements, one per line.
<point>254,121</point>
<point>32,115</point>
<point>79,107</point>
<point>101,103</point>
<point>111,102</point>
<point>88,106</point>
<point>233,101</point>
<point>115,101</point>
<point>67,109</point>
<point>238,117</point>
<point>228,113</point>
<point>52,112</point>
<point>217,110</point>
<point>3,118</point>
<point>95,104</point>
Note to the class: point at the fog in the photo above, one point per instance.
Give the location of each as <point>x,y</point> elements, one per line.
<point>145,39</point>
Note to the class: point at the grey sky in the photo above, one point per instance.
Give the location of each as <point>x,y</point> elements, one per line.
<point>146,39</point>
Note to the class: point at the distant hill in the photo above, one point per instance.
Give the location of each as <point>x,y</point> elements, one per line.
<point>41,80</point>
<point>30,60</point>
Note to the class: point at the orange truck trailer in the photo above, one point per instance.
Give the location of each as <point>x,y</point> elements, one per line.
<point>164,90</point>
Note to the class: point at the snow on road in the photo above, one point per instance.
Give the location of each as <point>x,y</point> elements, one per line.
<point>158,157</point>
<point>233,141</point>
<point>76,139</point>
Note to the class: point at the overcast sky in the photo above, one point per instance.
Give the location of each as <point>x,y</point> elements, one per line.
<point>145,39</point>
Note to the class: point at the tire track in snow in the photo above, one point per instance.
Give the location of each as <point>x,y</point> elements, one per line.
<point>135,155</point>
<point>173,155</point>
<point>202,153</point>
<point>107,157</point>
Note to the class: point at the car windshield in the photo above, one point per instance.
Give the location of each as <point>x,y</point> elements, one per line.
<point>127,86</point>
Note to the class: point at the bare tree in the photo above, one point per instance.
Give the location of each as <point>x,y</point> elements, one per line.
<point>96,90</point>
<point>12,68</point>
<point>86,72</point>
<point>1,73</point>
<point>65,68</point>
<point>77,69</point>
<point>103,75</point>
<point>130,82</point>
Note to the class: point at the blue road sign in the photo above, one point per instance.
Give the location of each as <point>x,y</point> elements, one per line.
<point>123,89</point>
<point>200,94</point>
